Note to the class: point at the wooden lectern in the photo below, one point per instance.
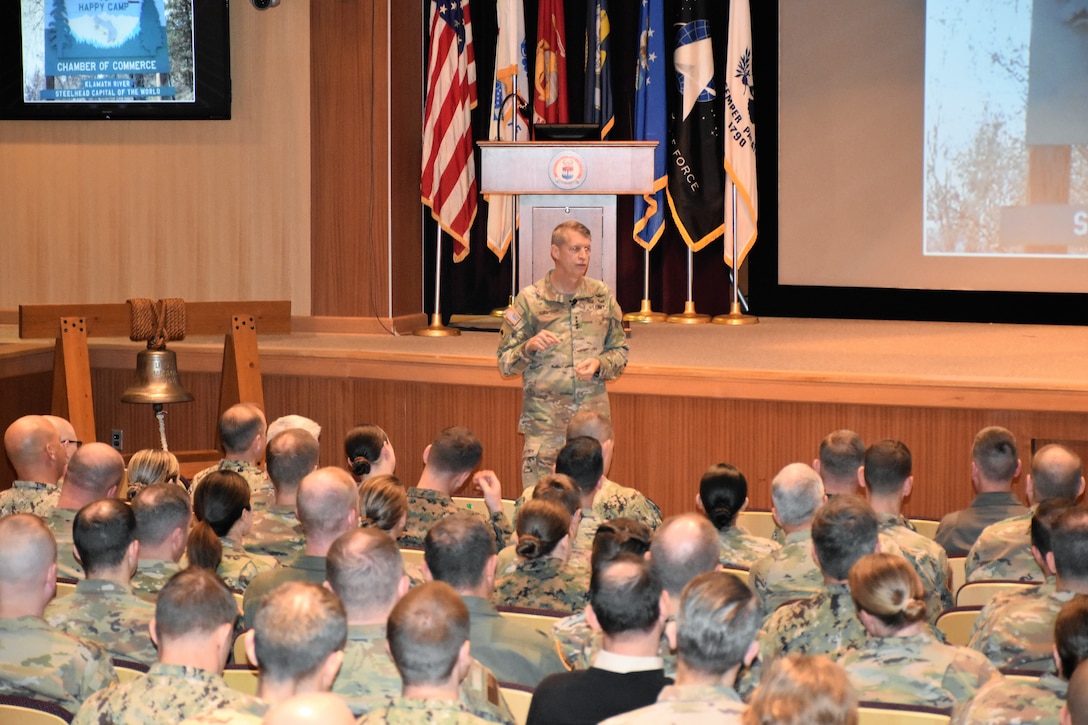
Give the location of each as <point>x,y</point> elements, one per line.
<point>555,182</point>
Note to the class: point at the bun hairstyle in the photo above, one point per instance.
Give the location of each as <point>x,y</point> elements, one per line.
<point>148,467</point>
<point>888,588</point>
<point>382,502</point>
<point>723,490</point>
<point>218,503</point>
<point>542,524</point>
<point>363,445</point>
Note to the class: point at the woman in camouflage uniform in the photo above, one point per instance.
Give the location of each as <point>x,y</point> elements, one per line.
<point>723,494</point>
<point>222,516</point>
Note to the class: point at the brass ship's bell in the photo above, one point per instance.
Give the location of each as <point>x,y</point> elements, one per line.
<point>157,379</point>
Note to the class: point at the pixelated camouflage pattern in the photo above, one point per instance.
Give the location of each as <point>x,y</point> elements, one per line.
<point>40,661</point>
<point>110,615</point>
<point>544,583</point>
<point>788,574</point>
<point>1016,630</point>
<point>261,491</point>
<point>611,502</point>
<point>151,575</point>
<point>369,680</point>
<point>578,644</point>
<point>1003,551</point>
<point>687,705</point>
<point>588,324</point>
<point>238,567</point>
<point>959,530</point>
<point>426,506</point>
<point>230,716</point>
<point>60,522</point>
<point>826,623</point>
<point>916,670</point>
<point>275,532</point>
<point>29,497</point>
<point>737,547</point>
<point>410,711</point>
<point>166,694</point>
<point>1010,702</point>
<point>926,557</point>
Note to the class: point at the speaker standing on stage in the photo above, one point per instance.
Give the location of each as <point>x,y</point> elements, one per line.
<point>564,336</point>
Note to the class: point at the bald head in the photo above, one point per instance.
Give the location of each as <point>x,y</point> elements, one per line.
<point>34,449</point>
<point>1056,472</point>
<point>683,547</point>
<point>242,432</point>
<point>94,472</point>
<point>28,571</point>
<point>797,491</point>
<point>328,505</point>
<point>314,708</point>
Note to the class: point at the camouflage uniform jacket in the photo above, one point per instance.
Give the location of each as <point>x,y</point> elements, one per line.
<point>959,530</point>
<point>544,583</point>
<point>412,711</point>
<point>1003,551</point>
<point>826,623</point>
<point>926,557</point>
<point>109,615</point>
<point>687,705</point>
<point>610,502</point>
<point>305,567</point>
<point>578,644</point>
<point>166,694</point>
<point>738,548</point>
<point>1008,702</point>
<point>29,497</point>
<point>60,521</point>
<point>238,567</point>
<point>1016,630</point>
<point>40,661</point>
<point>426,506</point>
<point>262,492</point>
<point>253,715</point>
<point>151,575</point>
<point>369,680</point>
<point>916,670</point>
<point>787,574</point>
<point>588,324</point>
<point>515,652</point>
<point>276,532</point>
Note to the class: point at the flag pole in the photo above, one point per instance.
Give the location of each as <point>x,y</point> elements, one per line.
<point>498,311</point>
<point>646,314</point>
<point>436,328</point>
<point>735,316</point>
<point>689,316</point>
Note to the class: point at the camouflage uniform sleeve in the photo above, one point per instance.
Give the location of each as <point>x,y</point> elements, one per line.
<point>613,355</point>
<point>502,528</point>
<point>974,559</point>
<point>518,325</point>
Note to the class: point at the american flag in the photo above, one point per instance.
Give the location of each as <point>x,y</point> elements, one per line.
<point>448,181</point>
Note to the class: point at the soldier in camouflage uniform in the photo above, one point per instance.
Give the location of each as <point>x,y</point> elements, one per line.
<point>196,648</point>
<point>276,532</point>
<point>564,336</point>
<point>37,660</point>
<point>36,453</point>
<point>365,569</point>
<point>103,609</point>
<point>242,431</point>
<point>723,494</point>
<point>448,463</point>
<point>1003,550</point>
<point>162,527</point>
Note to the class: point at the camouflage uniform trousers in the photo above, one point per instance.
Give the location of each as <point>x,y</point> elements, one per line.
<point>578,644</point>
<point>410,711</point>
<point>916,670</point>
<point>238,567</point>
<point>369,680</point>
<point>788,574</point>
<point>151,575</point>
<point>588,324</point>
<point>275,533</point>
<point>29,497</point>
<point>544,583</point>
<point>262,492</point>
<point>40,661</point>
<point>111,616</point>
<point>60,522</point>
<point>426,506</point>
<point>1003,551</point>
<point>687,705</point>
<point>926,557</point>
<point>1016,630</point>
<point>1007,702</point>
<point>166,694</point>
<point>738,548</point>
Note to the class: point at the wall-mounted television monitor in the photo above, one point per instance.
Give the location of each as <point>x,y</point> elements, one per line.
<point>114,59</point>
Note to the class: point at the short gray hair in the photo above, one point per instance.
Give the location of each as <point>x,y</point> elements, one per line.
<point>797,491</point>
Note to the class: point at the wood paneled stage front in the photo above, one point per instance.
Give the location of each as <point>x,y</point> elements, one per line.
<point>757,396</point>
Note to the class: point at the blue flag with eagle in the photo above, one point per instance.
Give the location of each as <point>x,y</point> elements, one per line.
<point>650,118</point>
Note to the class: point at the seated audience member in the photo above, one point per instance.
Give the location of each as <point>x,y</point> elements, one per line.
<point>837,461</point>
<point>886,477</point>
<point>800,690</point>
<point>369,452</point>
<point>366,571</point>
<point>901,662</point>
<point>994,465</point>
<point>328,506</point>
<point>38,456</point>
<point>460,551</point>
<point>290,456</point>
<point>790,573</point>
<point>222,516</point>
<point>243,434</point>
<point>103,609</point>
<point>561,488</point>
<point>163,513</point>
<point>1075,710</point>
<point>94,472</point>
<point>541,577</point>
<point>716,624</point>
<point>723,494</point>
<point>582,460</point>
<point>428,640</point>
<point>148,467</point>
<point>447,464</point>
<point>383,504</point>
<point>288,422</point>
<point>314,708</point>
<point>626,606</point>
<point>36,659</point>
<point>194,630</point>
<point>1010,702</point>
<point>297,643</point>
<point>1003,550</point>
<point>1017,630</point>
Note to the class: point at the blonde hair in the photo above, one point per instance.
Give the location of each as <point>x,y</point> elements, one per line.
<point>888,588</point>
<point>382,502</point>
<point>803,690</point>
<point>150,466</point>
